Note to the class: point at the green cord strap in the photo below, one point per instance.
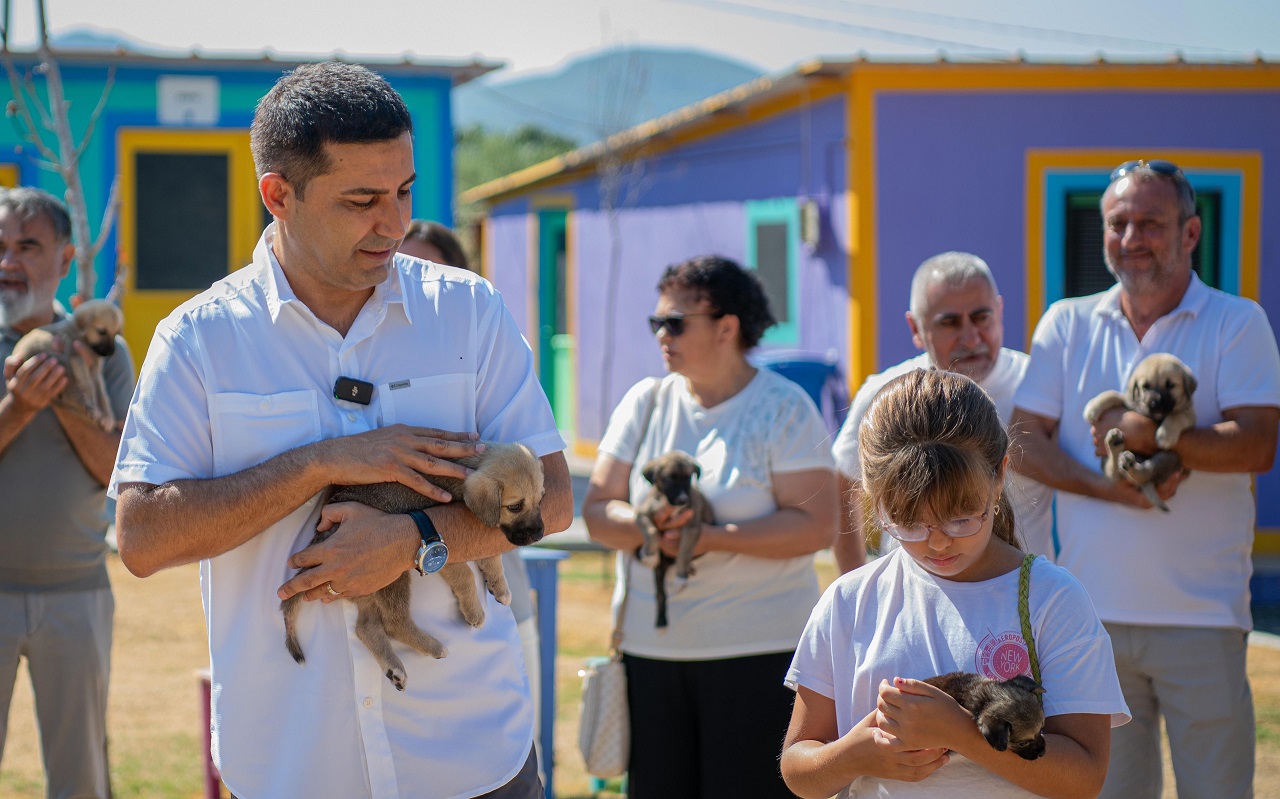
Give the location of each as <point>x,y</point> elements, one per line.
<point>1024,615</point>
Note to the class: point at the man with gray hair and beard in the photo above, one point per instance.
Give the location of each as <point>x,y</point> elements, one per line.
<point>56,606</point>
<point>1172,588</point>
<point>956,318</point>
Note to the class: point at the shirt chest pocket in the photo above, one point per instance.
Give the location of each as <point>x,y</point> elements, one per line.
<point>447,402</point>
<point>250,428</point>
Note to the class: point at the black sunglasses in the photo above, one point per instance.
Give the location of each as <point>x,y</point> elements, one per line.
<point>1166,168</point>
<point>674,323</point>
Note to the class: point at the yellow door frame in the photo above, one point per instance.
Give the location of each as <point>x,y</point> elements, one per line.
<point>143,309</point>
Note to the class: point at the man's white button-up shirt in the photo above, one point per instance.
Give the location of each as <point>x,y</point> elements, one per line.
<point>244,372</point>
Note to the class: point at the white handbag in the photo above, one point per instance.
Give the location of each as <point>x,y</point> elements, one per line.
<point>604,720</point>
<point>604,732</point>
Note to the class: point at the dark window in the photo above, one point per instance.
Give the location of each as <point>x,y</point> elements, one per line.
<point>772,248</point>
<point>182,220</point>
<point>1086,272</point>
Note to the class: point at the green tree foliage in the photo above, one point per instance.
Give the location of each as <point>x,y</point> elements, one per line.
<point>481,155</point>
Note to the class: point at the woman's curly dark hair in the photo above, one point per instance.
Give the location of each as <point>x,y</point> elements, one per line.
<point>729,289</point>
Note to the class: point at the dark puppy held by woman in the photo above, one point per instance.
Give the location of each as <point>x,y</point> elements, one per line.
<point>708,711</point>
<point>866,723</point>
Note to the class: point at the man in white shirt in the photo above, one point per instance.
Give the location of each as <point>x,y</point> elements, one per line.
<point>1172,588</point>
<point>236,429</point>
<point>956,318</point>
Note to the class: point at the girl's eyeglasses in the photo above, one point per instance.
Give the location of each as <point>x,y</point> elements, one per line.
<point>674,323</point>
<point>963,527</point>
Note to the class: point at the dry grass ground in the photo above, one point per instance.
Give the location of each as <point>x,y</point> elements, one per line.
<point>160,643</point>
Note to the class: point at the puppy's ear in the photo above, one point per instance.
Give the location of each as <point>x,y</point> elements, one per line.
<point>1189,382</point>
<point>650,470</point>
<point>483,495</point>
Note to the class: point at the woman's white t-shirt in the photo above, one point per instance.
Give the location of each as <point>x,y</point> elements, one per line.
<point>892,618</point>
<point>735,605</point>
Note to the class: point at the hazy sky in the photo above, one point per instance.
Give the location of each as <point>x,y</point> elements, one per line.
<point>772,34</point>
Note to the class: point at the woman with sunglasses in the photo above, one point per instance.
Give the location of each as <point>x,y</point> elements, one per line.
<point>933,459</point>
<point>707,705</point>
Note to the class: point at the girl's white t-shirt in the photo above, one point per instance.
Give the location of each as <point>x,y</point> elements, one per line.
<point>892,618</point>
<point>735,605</point>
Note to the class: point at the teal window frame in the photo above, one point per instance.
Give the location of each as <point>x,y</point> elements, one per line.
<point>774,211</point>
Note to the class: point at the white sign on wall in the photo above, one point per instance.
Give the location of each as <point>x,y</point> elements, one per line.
<point>187,100</point>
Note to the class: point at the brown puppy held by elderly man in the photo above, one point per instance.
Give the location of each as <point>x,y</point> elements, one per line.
<point>96,323</point>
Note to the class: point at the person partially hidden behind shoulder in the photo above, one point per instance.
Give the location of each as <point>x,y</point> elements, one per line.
<point>235,433</point>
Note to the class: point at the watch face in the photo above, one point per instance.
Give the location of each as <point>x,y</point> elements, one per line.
<point>434,558</point>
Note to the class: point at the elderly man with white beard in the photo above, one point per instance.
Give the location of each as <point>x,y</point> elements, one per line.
<point>956,318</point>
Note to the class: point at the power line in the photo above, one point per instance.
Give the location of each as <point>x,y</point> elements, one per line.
<point>823,23</point>
<point>990,26</point>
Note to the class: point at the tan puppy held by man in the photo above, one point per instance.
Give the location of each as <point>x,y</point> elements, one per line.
<point>1160,389</point>
<point>671,476</point>
<point>504,491</point>
<point>96,323</point>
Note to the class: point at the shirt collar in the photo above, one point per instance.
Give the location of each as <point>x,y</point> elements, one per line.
<point>279,293</point>
<point>1192,303</point>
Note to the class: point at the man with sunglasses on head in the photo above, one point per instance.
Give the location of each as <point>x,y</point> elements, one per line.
<point>956,318</point>
<point>1171,588</point>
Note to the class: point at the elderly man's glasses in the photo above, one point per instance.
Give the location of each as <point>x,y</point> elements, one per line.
<point>674,323</point>
<point>963,527</point>
<point>1166,168</point>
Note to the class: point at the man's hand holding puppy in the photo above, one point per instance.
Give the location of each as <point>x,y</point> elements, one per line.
<point>219,514</point>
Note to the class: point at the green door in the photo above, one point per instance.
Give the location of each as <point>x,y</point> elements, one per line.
<point>552,321</point>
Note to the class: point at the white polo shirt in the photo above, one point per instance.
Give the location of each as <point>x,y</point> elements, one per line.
<point>245,371</point>
<point>1032,502</point>
<point>1191,566</point>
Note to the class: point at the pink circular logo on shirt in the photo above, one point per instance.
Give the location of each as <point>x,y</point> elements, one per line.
<point>1003,657</point>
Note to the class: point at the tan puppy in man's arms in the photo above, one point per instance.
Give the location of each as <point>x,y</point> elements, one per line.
<point>1160,389</point>
<point>504,491</point>
<point>671,476</point>
<point>96,323</point>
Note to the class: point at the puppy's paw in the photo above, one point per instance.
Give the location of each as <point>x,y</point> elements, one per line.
<point>397,677</point>
<point>474,615</point>
<point>1115,438</point>
<point>1127,461</point>
<point>502,593</point>
<point>1167,437</point>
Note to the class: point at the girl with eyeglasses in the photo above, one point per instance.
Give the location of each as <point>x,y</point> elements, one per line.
<point>707,703</point>
<point>933,459</point>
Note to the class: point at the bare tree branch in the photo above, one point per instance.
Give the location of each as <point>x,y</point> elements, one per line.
<point>29,87</point>
<point>18,108</point>
<point>97,112</point>
<point>108,217</point>
<point>66,159</point>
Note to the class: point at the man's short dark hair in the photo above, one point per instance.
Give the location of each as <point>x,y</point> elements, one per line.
<point>28,203</point>
<point>728,288</point>
<point>317,104</point>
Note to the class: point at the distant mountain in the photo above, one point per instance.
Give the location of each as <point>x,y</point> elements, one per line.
<point>598,94</point>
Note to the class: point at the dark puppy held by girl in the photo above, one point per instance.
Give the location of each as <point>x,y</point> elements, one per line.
<point>864,723</point>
